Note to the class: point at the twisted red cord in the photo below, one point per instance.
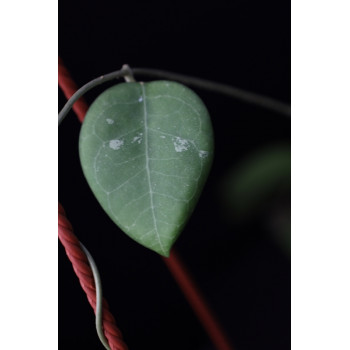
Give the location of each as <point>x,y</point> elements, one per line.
<point>83,270</point>
<point>175,265</point>
<point>197,301</point>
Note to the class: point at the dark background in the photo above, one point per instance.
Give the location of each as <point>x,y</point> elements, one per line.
<point>242,269</point>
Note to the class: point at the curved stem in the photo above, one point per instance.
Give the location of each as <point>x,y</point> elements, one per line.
<point>250,97</point>
<point>127,72</point>
<point>98,286</point>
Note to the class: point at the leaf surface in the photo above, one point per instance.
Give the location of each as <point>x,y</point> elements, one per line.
<point>146,151</point>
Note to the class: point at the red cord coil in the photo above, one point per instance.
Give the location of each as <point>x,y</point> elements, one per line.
<point>83,271</point>
<point>175,265</point>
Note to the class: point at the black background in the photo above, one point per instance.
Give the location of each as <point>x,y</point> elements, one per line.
<point>243,273</point>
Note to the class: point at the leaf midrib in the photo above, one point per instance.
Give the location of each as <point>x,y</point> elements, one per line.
<point>147,165</point>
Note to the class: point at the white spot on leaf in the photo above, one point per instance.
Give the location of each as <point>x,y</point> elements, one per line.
<point>137,138</point>
<point>180,144</point>
<point>140,99</point>
<point>116,144</point>
<point>109,121</point>
<point>162,137</point>
<point>203,154</point>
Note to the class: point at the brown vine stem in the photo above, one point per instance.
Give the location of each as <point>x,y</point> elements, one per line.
<point>224,89</point>
<point>227,90</point>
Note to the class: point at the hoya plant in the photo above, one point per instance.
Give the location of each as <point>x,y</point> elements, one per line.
<point>146,149</point>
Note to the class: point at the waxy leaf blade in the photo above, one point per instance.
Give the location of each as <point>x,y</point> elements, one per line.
<point>146,151</point>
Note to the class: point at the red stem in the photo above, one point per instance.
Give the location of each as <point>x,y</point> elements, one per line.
<point>175,265</point>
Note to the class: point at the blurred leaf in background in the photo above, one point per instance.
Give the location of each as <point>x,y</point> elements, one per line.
<point>258,188</point>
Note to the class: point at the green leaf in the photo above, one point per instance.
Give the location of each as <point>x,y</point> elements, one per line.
<point>146,151</point>
<point>250,184</point>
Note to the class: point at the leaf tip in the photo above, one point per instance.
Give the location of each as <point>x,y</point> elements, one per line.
<point>163,251</point>
<point>166,253</point>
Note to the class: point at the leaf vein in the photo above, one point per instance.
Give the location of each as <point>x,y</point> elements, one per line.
<point>148,168</point>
